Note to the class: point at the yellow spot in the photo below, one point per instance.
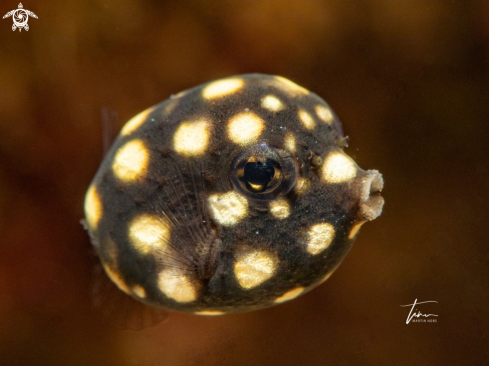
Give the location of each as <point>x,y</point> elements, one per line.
<point>148,232</point>
<point>135,122</point>
<point>221,88</point>
<point>116,278</point>
<point>338,168</point>
<point>180,94</point>
<point>253,267</point>
<point>324,113</point>
<point>229,208</point>
<point>320,237</point>
<point>328,275</point>
<point>191,138</point>
<point>355,228</point>
<point>209,312</point>
<point>306,119</point>
<point>109,252</point>
<point>131,161</point>
<point>302,185</point>
<point>172,104</point>
<point>139,291</point>
<point>289,295</point>
<point>245,128</point>
<point>176,286</point>
<point>272,103</point>
<point>280,208</point>
<point>289,142</point>
<point>290,86</point>
<point>93,207</point>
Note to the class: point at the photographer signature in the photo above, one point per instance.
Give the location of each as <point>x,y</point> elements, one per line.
<point>418,314</point>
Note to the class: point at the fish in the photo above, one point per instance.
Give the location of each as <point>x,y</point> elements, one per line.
<point>232,196</point>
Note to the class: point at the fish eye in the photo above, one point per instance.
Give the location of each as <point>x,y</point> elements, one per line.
<point>262,172</point>
<point>258,174</point>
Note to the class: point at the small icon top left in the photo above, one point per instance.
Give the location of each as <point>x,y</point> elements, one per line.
<point>20,17</point>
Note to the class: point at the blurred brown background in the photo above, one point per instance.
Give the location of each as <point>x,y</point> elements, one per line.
<point>408,78</point>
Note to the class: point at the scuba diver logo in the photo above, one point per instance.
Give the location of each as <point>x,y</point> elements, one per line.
<point>20,17</point>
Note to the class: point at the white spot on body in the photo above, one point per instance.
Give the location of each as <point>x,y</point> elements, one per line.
<point>209,312</point>
<point>302,185</point>
<point>110,251</point>
<point>306,119</point>
<point>176,286</point>
<point>324,114</point>
<point>131,161</point>
<point>289,295</point>
<point>289,142</point>
<point>320,237</point>
<point>328,275</point>
<point>93,207</point>
<point>272,103</point>
<point>338,168</point>
<point>148,232</point>
<point>139,291</point>
<point>290,86</point>
<point>229,208</point>
<point>191,138</point>
<point>245,128</point>
<point>221,88</point>
<point>171,105</point>
<point>253,267</point>
<point>115,277</point>
<point>179,95</point>
<point>355,228</point>
<point>280,208</point>
<point>135,122</point>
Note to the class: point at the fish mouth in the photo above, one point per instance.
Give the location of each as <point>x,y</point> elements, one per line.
<point>371,202</point>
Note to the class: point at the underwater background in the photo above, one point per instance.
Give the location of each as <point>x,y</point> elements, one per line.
<point>409,79</point>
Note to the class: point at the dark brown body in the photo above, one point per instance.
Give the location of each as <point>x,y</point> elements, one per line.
<point>226,248</point>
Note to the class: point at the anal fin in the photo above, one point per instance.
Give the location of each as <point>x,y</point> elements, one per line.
<point>120,310</point>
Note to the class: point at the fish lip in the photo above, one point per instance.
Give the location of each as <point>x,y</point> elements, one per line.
<point>371,202</point>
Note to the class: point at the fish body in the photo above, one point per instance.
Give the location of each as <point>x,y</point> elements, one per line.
<point>231,196</point>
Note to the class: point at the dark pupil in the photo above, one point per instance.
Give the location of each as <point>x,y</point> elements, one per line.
<point>259,172</point>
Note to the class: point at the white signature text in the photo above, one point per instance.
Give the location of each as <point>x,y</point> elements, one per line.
<point>412,312</point>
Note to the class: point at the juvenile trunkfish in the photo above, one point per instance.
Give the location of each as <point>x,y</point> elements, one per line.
<point>228,197</point>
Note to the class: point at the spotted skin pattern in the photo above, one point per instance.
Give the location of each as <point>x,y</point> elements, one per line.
<point>232,196</point>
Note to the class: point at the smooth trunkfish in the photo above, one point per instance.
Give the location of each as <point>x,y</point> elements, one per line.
<point>228,197</point>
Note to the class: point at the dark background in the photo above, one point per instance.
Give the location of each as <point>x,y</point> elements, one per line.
<point>409,80</point>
